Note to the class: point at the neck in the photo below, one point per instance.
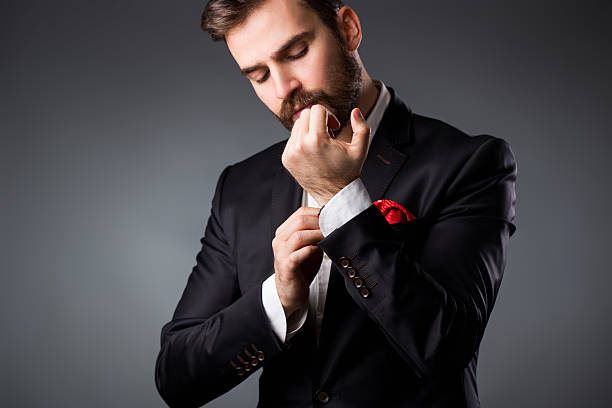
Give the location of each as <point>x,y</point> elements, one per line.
<point>367,100</point>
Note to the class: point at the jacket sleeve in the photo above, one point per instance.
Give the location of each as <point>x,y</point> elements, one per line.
<point>430,284</point>
<point>217,336</point>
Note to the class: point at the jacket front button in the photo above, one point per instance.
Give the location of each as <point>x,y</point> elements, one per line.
<point>323,397</point>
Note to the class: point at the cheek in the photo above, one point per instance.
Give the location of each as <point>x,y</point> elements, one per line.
<point>316,72</point>
<point>268,98</point>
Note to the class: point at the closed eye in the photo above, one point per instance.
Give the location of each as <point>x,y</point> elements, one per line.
<point>290,57</point>
<point>263,78</point>
<point>298,55</point>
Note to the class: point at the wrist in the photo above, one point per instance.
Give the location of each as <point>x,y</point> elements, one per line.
<point>293,308</point>
<point>293,302</point>
<point>324,195</point>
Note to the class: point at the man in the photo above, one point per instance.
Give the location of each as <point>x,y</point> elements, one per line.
<point>300,273</point>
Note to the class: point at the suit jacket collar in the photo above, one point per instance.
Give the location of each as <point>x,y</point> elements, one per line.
<point>389,149</point>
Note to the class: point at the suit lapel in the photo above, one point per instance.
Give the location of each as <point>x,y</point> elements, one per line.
<point>381,165</point>
<point>389,149</point>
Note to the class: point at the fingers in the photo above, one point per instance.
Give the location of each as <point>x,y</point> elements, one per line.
<point>302,124</point>
<point>302,254</point>
<point>322,120</point>
<point>304,218</point>
<point>297,240</point>
<point>318,119</point>
<point>361,131</point>
<point>332,121</point>
<point>300,239</point>
<point>301,223</point>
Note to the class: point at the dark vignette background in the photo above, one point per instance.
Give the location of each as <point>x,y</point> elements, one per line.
<point>118,116</point>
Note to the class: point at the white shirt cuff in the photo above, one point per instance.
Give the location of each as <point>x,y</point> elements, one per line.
<point>295,323</point>
<point>276,314</point>
<point>346,204</point>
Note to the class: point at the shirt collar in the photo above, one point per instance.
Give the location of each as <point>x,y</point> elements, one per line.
<point>377,112</point>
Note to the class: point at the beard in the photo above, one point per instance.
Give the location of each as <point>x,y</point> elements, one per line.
<point>340,99</point>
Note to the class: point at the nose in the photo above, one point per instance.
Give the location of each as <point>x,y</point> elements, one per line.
<point>285,83</point>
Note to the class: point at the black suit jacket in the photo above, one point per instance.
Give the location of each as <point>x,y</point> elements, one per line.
<point>432,282</point>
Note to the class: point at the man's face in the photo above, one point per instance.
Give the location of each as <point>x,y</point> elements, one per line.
<point>294,61</point>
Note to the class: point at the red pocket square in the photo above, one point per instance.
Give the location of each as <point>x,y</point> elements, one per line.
<point>394,212</point>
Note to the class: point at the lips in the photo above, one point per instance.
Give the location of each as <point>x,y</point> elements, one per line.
<point>298,112</point>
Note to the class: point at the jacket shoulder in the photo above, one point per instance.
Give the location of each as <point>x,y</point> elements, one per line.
<point>449,143</point>
<point>255,170</point>
<point>250,177</point>
<point>262,161</point>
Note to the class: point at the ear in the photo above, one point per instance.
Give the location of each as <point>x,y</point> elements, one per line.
<point>350,27</point>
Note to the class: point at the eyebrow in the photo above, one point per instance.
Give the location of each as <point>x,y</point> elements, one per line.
<point>278,54</point>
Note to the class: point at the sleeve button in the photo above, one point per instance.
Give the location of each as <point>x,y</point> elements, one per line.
<point>344,262</point>
<point>365,292</point>
<point>358,282</point>
<point>258,353</point>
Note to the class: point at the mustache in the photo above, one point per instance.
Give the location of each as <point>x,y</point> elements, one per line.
<point>301,98</point>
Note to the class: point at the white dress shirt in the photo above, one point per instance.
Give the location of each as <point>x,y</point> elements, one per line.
<point>346,204</point>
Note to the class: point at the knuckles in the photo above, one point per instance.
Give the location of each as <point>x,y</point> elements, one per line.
<point>302,211</point>
<point>297,238</point>
<point>366,130</point>
<point>285,158</point>
<point>290,262</point>
<point>290,155</point>
<point>300,222</point>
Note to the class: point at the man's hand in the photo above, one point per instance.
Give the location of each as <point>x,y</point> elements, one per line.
<point>321,164</point>
<point>297,258</point>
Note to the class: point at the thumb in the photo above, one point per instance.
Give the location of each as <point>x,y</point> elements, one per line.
<point>361,130</point>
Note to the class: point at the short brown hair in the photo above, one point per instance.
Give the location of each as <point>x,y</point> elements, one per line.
<point>220,16</point>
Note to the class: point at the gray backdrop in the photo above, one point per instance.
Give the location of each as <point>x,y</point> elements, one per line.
<point>117,118</point>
